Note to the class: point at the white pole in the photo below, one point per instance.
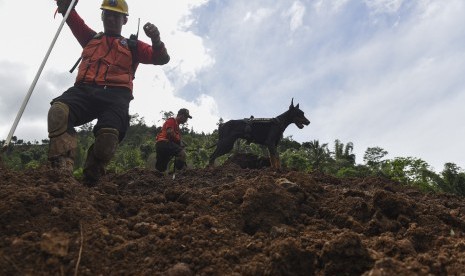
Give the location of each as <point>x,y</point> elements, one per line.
<point>33,84</point>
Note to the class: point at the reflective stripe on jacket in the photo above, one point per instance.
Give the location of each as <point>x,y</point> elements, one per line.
<point>106,61</point>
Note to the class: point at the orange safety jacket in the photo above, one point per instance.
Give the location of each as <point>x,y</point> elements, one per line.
<point>163,134</point>
<point>106,62</point>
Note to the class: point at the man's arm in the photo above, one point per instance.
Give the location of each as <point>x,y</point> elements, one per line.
<point>79,29</point>
<point>148,55</point>
<point>155,54</point>
<point>170,134</point>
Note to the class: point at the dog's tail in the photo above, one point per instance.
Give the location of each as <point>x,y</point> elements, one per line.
<point>220,135</point>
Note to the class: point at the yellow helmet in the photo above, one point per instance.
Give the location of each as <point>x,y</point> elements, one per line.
<point>115,5</point>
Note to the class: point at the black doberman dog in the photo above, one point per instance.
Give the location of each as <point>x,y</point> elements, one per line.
<point>268,132</point>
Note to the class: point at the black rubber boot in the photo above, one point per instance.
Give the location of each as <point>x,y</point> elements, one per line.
<point>100,154</point>
<point>61,152</point>
<point>93,168</point>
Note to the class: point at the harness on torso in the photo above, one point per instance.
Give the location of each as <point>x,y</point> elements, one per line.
<point>249,121</point>
<point>252,119</point>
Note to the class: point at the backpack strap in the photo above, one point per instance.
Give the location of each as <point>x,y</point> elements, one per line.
<point>132,44</point>
<point>96,36</point>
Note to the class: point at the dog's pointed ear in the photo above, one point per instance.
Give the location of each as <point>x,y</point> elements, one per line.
<point>297,106</point>
<point>292,103</point>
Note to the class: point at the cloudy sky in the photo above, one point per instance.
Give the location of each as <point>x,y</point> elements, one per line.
<point>385,73</point>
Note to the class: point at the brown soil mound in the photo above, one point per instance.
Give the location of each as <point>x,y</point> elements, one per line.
<point>225,221</point>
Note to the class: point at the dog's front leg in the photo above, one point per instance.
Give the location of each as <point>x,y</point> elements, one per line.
<point>274,158</point>
<point>278,163</point>
<point>275,162</point>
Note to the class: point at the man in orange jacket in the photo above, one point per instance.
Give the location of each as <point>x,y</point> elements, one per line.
<point>169,142</point>
<point>102,90</point>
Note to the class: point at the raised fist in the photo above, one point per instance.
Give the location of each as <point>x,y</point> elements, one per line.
<point>152,32</point>
<point>64,4</point>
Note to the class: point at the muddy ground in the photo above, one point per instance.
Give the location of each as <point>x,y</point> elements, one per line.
<point>225,220</point>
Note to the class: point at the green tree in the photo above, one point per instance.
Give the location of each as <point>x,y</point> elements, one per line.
<point>373,156</point>
<point>126,157</point>
<point>343,154</point>
<point>451,179</point>
<point>319,155</point>
<point>411,171</point>
<point>341,157</point>
<point>295,159</point>
<point>166,115</point>
<point>147,148</point>
<point>220,122</point>
<point>25,157</point>
<point>135,119</point>
<point>288,143</point>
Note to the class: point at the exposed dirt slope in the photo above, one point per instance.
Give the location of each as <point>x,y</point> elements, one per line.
<point>225,221</point>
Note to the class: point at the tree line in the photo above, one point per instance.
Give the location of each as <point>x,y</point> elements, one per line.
<point>338,159</point>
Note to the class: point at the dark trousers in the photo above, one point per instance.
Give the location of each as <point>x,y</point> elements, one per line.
<point>109,105</point>
<point>165,152</point>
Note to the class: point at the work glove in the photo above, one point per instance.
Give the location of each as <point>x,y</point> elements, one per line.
<point>63,5</point>
<point>152,32</point>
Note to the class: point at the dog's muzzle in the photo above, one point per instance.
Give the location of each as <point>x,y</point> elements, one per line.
<point>300,124</point>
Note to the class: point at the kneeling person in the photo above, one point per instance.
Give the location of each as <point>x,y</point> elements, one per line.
<point>168,143</point>
<point>102,90</point>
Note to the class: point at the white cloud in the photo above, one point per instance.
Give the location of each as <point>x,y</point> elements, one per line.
<point>323,6</point>
<point>189,56</point>
<point>295,13</point>
<point>258,16</point>
<point>384,6</point>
